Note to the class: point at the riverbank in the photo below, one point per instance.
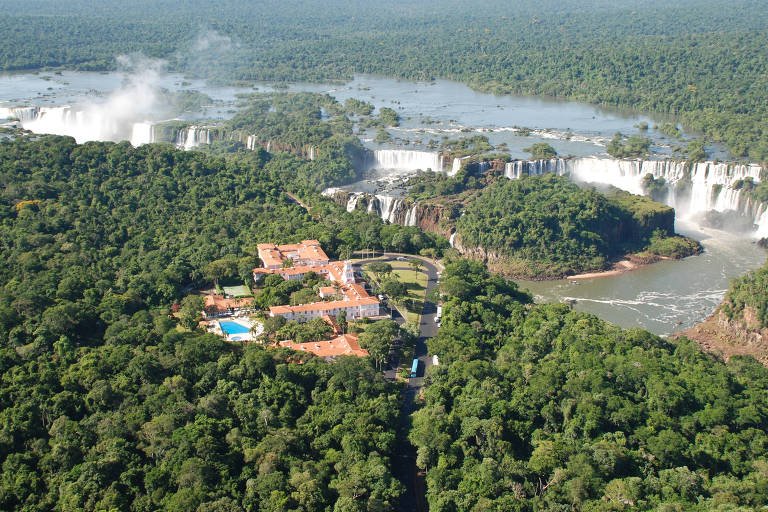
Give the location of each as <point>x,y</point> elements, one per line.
<point>518,269</point>
<point>625,265</point>
<point>667,296</point>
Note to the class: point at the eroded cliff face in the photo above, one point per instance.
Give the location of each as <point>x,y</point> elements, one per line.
<point>489,257</point>
<point>731,337</point>
<point>435,218</point>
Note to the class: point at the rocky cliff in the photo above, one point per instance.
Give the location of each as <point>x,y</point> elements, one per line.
<point>727,338</point>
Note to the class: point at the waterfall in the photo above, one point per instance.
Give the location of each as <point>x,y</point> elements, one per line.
<point>193,136</point>
<point>354,198</point>
<point>87,123</point>
<point>142,133</point>
<point>389,208</point>
<point>402,160</point>
<point>23,114</point>
<point>762,222</point>
<point>455,167</point>
<point>703,186</point>
<point>452,238</point>
<point>411,218</point>
<point>518,168</point>
<point>94,124</point>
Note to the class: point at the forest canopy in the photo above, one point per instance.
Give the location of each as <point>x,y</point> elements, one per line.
<point>546,226</point>
<point>107,403</point>
<point>538,407</point>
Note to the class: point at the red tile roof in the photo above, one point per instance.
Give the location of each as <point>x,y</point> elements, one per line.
<point>344,345</point>
<point>219,303</point>
<point>311,250</point>
<point>307,250</point>
<point>323,306</point>
<point>325,291</point>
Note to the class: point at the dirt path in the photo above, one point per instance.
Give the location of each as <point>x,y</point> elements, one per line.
<point>298,201</point>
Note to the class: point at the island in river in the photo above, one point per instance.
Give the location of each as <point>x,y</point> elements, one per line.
<point>547,227</point>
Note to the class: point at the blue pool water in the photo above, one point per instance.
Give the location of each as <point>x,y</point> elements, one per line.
<point>233,327</point>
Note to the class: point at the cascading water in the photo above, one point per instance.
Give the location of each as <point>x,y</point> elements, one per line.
<point>455,167</point>
<point>403,160</point>
<point>411,217</point>
<point>386,207</point>
<point>705,186</point>
<point>193,136</point>
<point>762,222</point>
<point>142,133</point>
<point>23,114</point>
<point>83,125</point>
<point>354,198</point>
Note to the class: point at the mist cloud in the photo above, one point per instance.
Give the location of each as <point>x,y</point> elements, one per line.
<point>137,100</point>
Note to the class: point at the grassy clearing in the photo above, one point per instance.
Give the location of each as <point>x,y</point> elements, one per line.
<point>416,283</point>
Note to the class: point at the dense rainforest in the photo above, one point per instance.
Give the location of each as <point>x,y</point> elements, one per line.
<point>700,60</point>
<point>537,407</point>
<point>747,299</point>
<point>106,405</point>
<point>107,402</point>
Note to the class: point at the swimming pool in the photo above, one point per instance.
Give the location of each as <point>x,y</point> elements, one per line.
<point>230,327</point>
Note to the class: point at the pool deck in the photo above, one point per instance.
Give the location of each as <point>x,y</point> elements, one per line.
<point>214,327</point>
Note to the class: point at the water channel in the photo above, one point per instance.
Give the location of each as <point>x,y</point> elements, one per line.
<point>662,298</point>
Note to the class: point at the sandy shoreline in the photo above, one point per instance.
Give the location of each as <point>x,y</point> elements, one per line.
<point>618,268</point>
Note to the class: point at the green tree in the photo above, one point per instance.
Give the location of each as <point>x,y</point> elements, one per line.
<point>394,288</point>
<point>224,268</point>
<point>388,117</point>
<point>190,311</point>
<point>382,136</point>
<point>341,320</point>
<point>380,268</point>
<point>541,151</point>
<point>377,339</point>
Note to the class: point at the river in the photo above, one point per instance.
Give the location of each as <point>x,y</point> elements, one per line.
<point>434,110</point>
<point>667,296</point>
<point>662,298</point>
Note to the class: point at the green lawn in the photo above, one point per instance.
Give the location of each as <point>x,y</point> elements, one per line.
<point>415,282</point>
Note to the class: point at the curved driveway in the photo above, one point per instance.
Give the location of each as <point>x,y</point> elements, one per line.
<point>427,326</point>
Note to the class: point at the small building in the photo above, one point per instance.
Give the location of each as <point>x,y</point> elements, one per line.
<point>326,292</point>
<point>217,306</point>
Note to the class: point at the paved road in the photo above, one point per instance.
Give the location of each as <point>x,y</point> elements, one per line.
<point>415,497</point>
<point>427,326</point>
